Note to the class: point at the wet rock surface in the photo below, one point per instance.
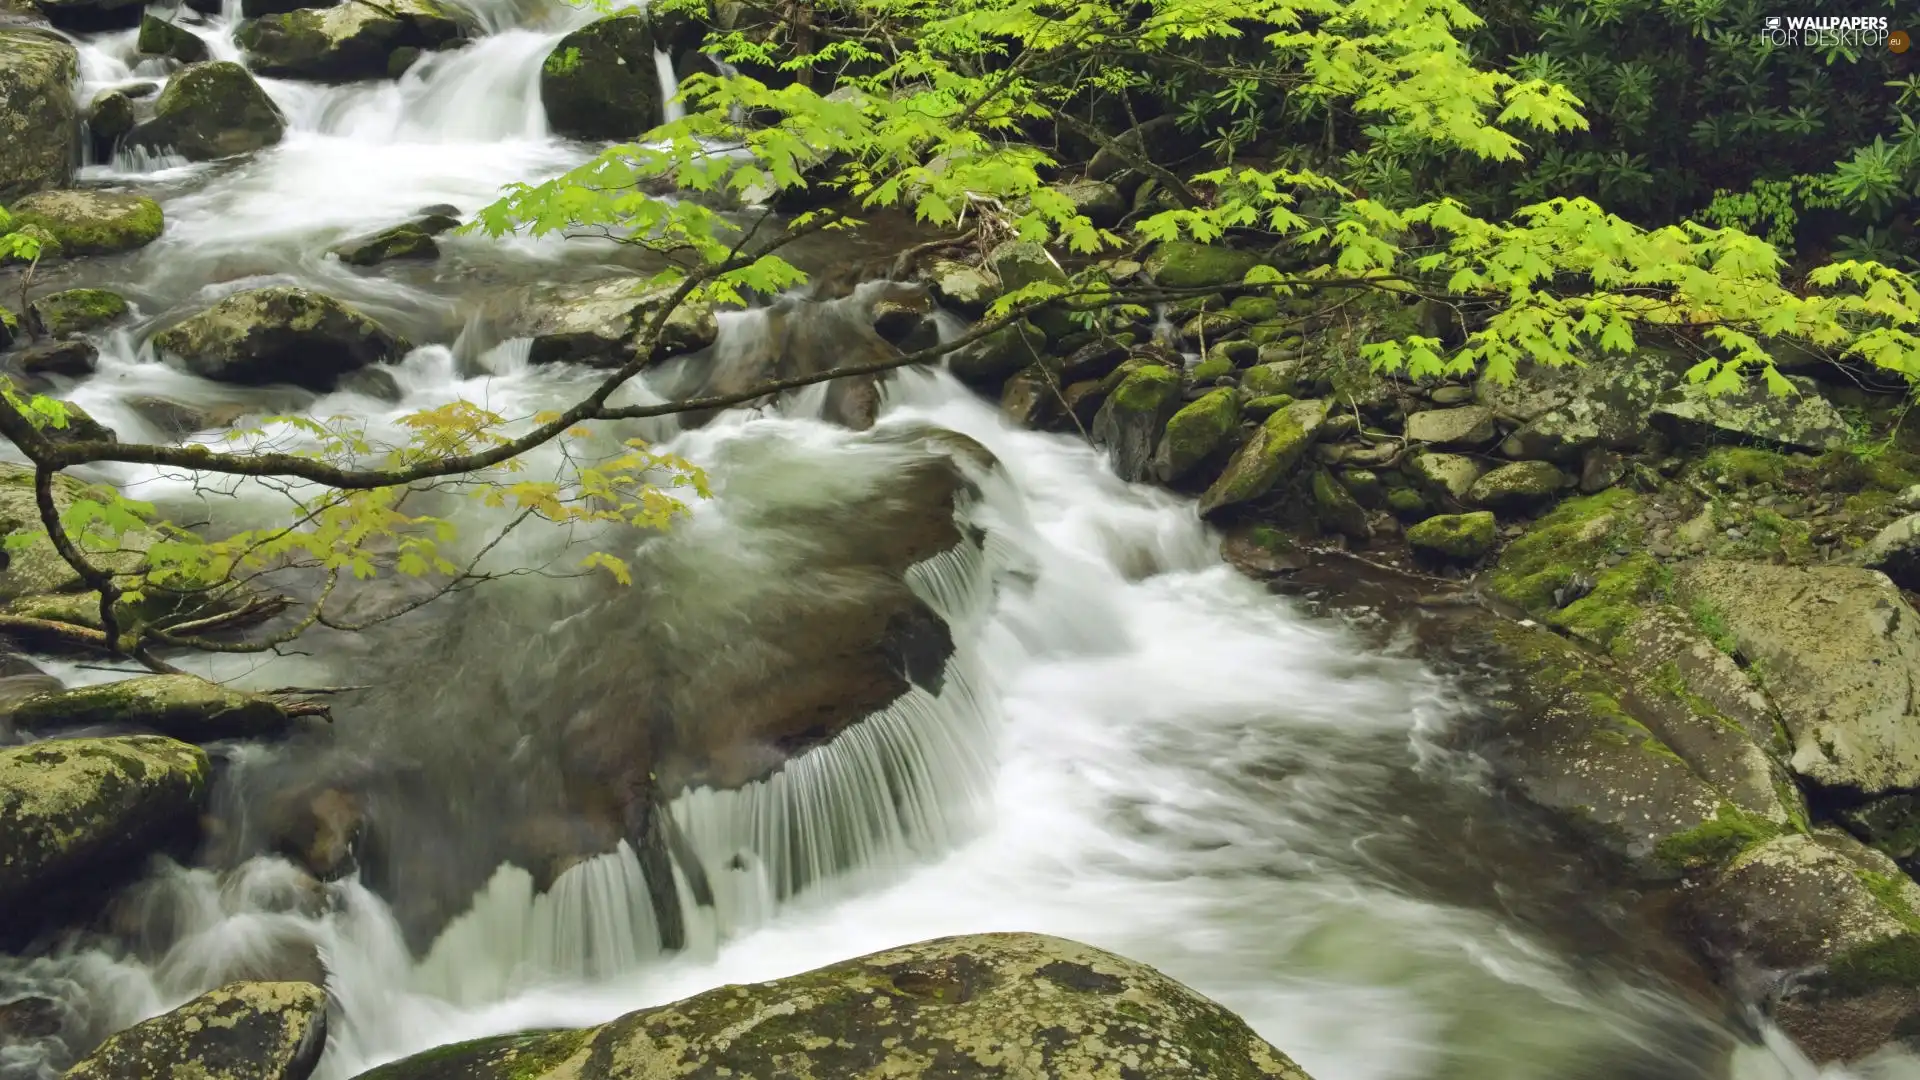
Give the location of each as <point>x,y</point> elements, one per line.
<point>241,1031</point>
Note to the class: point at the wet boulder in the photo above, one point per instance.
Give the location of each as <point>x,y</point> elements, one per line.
<point>956,1006</point>
<point>163,37</point>
<point>76,311</point>
<point>241,1031</point>
<point>1129,425</point>
<point>210,111</point>
<point>71,359</point>
<point>353,40</point>
<point>990,361</point>
<point>39,123</point>
<point>1803,420</point>
<point>75,806</point>
<point>597,323</point>
<point>91,222</point>
<point>1186,264</point>
<point>1838,650</point>
<point>1277,446</point>
<point>411,240</point>
<point>600,81</point>
<point>1195,433</point>
<point>280,335</point>
<point>37,569</point>
<point>184,707</point>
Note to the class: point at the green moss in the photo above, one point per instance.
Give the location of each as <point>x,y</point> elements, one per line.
<point>76,310</point>
<point>1618,597</point>
<point>1255,309</point>
<point>1567,542</point>
<point>1891,961</point>
<point>1456,536</point>
<point>1146,389</point>
<point>87,223</point>
<point>1198,430</point>
<point>1717,841</point>
<point>1184,264</point>
<point>1406,502</point>
<point>562,61</point>
<point>1206,371</point>
<point>1708,620</point>
<point>1744,466</point>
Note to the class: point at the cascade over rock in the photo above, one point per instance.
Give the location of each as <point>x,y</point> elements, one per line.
<point>210,111</point>
<point>953,1007</point>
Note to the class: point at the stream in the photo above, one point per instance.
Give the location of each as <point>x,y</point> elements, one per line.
<point>1132,746</point>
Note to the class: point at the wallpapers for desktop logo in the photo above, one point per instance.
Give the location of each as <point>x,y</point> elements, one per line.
<point>1856,32</point>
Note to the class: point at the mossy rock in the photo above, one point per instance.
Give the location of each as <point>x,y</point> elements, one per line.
<point>406,241</point>
<point>1269,379</point>
<point>1130,423</point>
<point>348,41</point>
<point>39,121</point>
<point>1537,569</point>
<point>1260,408</point>
<point>1184,264</point>
<point>1804,420</point>
<point>1098,201</point>
<point>1520,485</point>
<point>160,37</point>
<point>961,288</point>
<point>184,707</point>
<point>241,1031</point>
<point>37,569</point>
<point>75,311</point>
<point>1336,510</point>
<point>210,111</point>
<point>982,1005</point>
<point>599,82</point>
<point>1020,263</point>
<point>280,334</point>
<point>1196,433</point>
<point>92,222</point>
<point>72,805</point>
<point>1275,449</point>
<point>1464,537</point>
<point>1207,371</point>
<point>1254,309</point>
<point>597,323</point>
<point>988,362</point>
<point>1444,476</point>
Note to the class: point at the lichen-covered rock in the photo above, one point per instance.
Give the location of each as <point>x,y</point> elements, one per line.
<point>406,241</point>
<point>961,288</point>
<point>160,37</point>
<point>1274,450</point>
<point>1195,433</point>
<point>1272,379</point>
<point>982,1005</point>
<point>76,311</point>
<point>1469,427</point>
<point>281,334</point>
<point>1129,425</point>
<point>1895,552</point>
<point>73,804</point>
<point>241,1031</point>
<point>1454,536</point>
<point>91,222</point>
<point>1521,484</point>
<point>1838,650</point>
<point>990,361</point>
<point>599,82</point>
<point>1336,510</point>
<point>210,111</point>
<point>1563,412</point>
<point>1184,264</point>
<point>1752,414</point>
<point>596,323</point>
<point>184,707</point>
<point>1834,924</point>
<point>39,123</point>
<point>356,39</point>
<point>38,569</point>
<point>1448,475</point>
<point>1096,200</point>
<point>1020,263</point>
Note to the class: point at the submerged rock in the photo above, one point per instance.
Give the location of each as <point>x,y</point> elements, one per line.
<point>1130,423</point>
<point>39,123</point>
<point>241,1031</point>
<point>983,1005</point>
<point>600,82</point>
<point>79,805</point>
<point>353,40</point>
<point>210,111</point>
<point>184,707</point>
<point>410,240</point>
<point>280,334</point>
<point>91,222</point>
<point>75,311</point>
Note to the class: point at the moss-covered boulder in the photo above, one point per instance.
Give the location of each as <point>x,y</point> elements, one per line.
<point>1541,571</point>
<point>1020,263</point>
<point>39,122</point>
<point>1444,476</point>
<point>91,222</point>
<point>1517,486</point>
<point>76,311</point>
<point>1454,536</point>
<point>990,361</point>
<point>78,805</point>
<point>184,707</point>
<point>1564,412</point>
<point>983,1005</point>
<point>1196,433</point>
<point>1273,378</point>
<point>1804,420</point>
<point>405,241</point>
<point>1276,448</point>
<point>241,1031</point>
<point>1336,510</point>
<point>37,569</point>
<point>600,83</point>
<point>1836,927</point>
<point>353,40</point>
<point>210,111</point>
<point>280,334</point>
<point>960,287</point>
<point>596,323</point>
<point>1030,398</point>
<point>1129,425</point>
<point>1469,427</point>
<point>163,37</point>
<point>1185,264</point>
<point>1835,647</point>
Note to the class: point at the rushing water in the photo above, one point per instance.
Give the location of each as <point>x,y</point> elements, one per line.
<point>1132,746</point>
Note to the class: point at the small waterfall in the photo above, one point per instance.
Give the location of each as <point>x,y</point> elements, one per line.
<point>669,86</point>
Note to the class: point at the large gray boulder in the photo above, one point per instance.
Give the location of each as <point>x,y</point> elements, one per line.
<point>352,40</point>
<point>283,335</point>
<point>36,569</point>
<point>1895,552</point>
<point>39,122</point>
<point>596,323</point>
<point>988,1005</point>
<point>1274,451</point>
<point>78,805</point>
<point>184,707</point>
<point>210,111</point>
<point>1838,650</point>
<point>1803,421</point>
<point>1563,412</point>
<point>600,82</point>
<point>241,1031</point>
